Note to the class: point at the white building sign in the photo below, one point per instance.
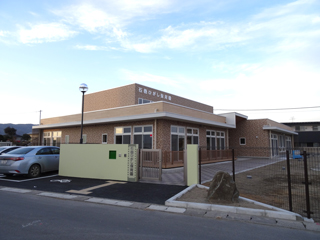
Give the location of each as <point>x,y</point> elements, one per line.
<point>154,93</point>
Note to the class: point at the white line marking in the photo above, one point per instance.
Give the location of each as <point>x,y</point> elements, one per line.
<point>87,190</point>
<point>27,180</point>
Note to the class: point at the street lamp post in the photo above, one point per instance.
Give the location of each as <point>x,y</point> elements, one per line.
<point>83,88</point>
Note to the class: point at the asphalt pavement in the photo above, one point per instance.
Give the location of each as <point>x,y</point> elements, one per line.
<point>145,196</point>
<point>126,191</point>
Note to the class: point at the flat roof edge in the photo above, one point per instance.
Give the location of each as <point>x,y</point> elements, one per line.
<point>279,130</point>
<point>138,117</point>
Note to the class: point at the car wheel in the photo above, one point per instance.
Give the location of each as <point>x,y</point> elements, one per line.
<point>34,171</point>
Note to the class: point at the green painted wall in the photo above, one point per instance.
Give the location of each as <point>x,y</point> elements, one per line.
<point>92,161</point>
<point>192,164</point>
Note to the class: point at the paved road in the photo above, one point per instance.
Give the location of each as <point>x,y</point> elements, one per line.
<point>26,216</point>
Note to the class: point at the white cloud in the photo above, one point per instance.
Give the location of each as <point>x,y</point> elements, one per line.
<point>40,33</point>
<point>282,28</point>
<point>94,48</point>
<point>3,33</point>
<point>287,84</point>
<point>87,17</point>
<point>281,10</point>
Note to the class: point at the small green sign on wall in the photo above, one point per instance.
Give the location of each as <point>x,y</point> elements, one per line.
<point>112,154</point>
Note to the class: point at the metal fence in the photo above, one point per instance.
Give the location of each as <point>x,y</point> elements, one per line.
<point>288,178</point>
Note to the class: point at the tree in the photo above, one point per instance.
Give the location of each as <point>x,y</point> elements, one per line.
<point>10,131</point>
<point>2,138</point>
<point>26,137</point>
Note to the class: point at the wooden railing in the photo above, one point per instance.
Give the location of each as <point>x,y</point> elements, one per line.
<point>172,159</point>
<point>209,156</point>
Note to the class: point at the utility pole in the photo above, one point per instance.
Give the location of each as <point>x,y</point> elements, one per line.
<point>40,118</point>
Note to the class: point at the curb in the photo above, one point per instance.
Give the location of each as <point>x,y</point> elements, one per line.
<point>274,212</point>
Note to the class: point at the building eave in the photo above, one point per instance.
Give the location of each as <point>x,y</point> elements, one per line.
<point>149,116</point>
<point>277,129</point>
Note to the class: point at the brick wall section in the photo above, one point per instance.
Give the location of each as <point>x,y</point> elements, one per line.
<point>111,98</point>
<point>250,129</point>
<point>163,132</point>
<point>129,95</point>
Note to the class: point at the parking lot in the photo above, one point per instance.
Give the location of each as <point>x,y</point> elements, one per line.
<point>127,191</point>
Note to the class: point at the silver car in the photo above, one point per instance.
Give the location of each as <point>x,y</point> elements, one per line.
<point>30,160</point>
<point>7,149</point>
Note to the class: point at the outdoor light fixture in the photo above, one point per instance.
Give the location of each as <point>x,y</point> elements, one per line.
<point>83,88</point>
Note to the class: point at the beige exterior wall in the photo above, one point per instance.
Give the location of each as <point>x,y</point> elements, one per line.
<point>99,166</point>
<point>156,95</point>
<point>129,95</point>
<point>140,109</point>
<point>192,165</point>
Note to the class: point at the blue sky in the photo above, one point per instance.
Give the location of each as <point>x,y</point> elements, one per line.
<point>230,54</point>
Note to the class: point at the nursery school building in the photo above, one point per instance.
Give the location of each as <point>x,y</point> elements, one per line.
<point>153,119</point>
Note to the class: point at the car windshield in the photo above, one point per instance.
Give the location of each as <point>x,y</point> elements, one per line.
<point>21,151</point>
<point>2,148</point>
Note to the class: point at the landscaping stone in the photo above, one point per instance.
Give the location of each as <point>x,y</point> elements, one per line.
<point>223,189</point>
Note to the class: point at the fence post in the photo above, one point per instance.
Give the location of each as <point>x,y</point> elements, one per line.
<point>199,165</point>
<point>289,181</point>
<point>233,168</point>
<point>306,184</point>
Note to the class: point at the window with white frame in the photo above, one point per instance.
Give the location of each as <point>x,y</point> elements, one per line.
<point>143,101</point>
<point>104,138</point>
<point>142,135</point>
<point>123,135</point>
<point>282,143</point>
<point>242,141</point>
<point>220,140</point>
<point>274,144</point>
<point>47,139</point>
<point>192,136</point>
<point>211,140</point>
<point>56,138</point>
<point>215,140</point>
<point>177,138</point>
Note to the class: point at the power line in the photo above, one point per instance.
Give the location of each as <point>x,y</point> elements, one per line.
<point>270,109</point>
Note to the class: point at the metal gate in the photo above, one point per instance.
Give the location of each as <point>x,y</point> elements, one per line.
<point>150,164</point>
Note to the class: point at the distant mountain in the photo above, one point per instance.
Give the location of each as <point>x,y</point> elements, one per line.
<point>21,128</point>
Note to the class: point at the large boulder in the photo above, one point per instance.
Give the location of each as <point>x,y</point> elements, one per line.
<point>223,189</point>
